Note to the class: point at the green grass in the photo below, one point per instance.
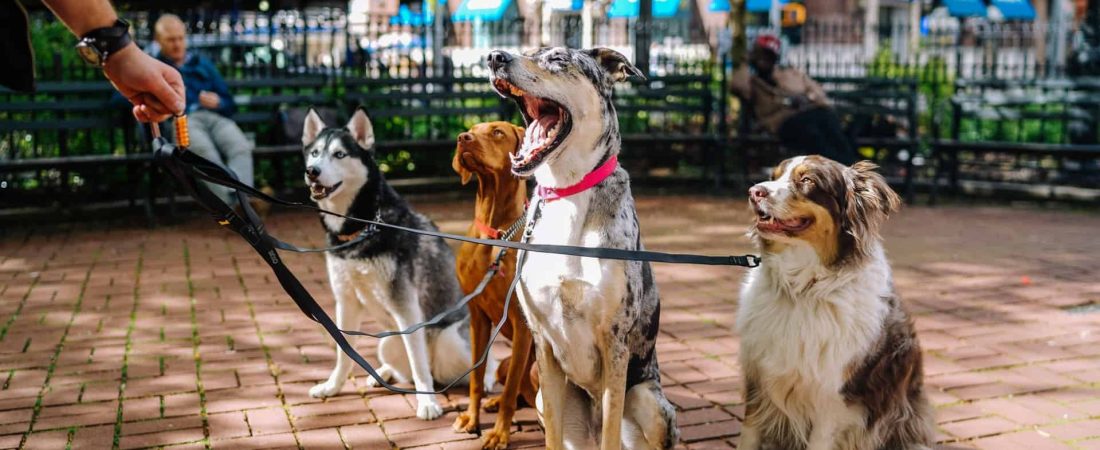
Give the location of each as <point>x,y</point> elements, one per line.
<point>125,374</point>
<point>196,341</point>
<point>59,347</point>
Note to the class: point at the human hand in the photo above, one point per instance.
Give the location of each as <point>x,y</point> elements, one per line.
<point>209,100</point>
<point>155,88</point>
<point>798,101</point>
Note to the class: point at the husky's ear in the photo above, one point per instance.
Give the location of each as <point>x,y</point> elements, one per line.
<point>361,129</point>
<point>311,127</point>
<point>615,64</point>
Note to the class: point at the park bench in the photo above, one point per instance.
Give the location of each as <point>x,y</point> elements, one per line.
<point>409,115</point>
<point>1031,137</point>
<point>75,134</point>
<point>64,145</point>
<point>879,114</point>
<point>666,123</point>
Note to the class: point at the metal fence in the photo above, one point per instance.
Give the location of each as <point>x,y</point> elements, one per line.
<point>963,48</point>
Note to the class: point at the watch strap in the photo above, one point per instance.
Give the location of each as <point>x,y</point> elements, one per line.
<point>109,40</point>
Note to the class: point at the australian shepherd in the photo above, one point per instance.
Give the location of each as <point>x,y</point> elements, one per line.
<point>830,355</point>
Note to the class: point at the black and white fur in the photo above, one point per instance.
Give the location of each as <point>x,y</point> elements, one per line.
<point>594,321</point>
<point>400,278</point>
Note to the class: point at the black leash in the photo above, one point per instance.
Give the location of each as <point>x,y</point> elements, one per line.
<point>252,230</point>
<point>187,168</point>
<point>206,170</point>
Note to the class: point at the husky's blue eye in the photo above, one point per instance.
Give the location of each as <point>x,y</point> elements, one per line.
<point>314,153</point>
<point>339,154</point>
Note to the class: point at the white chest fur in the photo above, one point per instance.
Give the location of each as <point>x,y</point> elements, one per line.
<point>803,325</point>
<point>571,301</point>
<point>370,279</point>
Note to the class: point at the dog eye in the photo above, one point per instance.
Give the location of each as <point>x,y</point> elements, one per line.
<point>806,180</point>
<point>498,133</point>
<point>557,58</point>
<point>340,154</point>
<point>314,153</point>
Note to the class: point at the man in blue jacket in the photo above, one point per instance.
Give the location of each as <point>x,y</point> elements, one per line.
<point>214,135</point>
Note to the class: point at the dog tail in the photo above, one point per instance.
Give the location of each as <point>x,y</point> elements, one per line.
<point>451,356</point>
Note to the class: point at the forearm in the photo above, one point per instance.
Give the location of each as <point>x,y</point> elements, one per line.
<point>82,16</point>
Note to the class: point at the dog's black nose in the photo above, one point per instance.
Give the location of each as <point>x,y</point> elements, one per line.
<point>498,59</point>
<point>467,136</point>
<point>312,172</point>
<point>758,192</point>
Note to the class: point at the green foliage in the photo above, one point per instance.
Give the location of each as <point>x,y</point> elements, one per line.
<point>53,47</point>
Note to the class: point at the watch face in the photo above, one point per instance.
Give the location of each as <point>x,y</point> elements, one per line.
<point>89,53</point>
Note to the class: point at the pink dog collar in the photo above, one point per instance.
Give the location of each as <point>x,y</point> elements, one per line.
<point>593,178</point>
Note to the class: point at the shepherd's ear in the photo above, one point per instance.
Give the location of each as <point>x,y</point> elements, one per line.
<point>615,64</point>
<point>312,127</point>
<point>869,202</point>
<point>361,129</point>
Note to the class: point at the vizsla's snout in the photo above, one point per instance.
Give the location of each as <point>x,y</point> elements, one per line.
<point>466,137</point>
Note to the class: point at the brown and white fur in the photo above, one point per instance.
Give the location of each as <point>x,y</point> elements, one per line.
<point>830,356</point>
<point>485,151</point>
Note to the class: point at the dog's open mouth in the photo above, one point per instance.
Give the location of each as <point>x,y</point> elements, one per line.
<point>548,124</point>
<point>318,191</point>
<point>765,223</point>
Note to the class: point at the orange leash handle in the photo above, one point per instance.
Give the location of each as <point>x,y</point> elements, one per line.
<point>182,138</point>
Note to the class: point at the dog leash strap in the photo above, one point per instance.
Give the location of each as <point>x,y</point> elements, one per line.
<point>216,174</point>
<point>277,243</point>
<point>170,155</point>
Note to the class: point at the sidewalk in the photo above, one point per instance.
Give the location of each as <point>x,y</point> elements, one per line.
<point>181,337</point>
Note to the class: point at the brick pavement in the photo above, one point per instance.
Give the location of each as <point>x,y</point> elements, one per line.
<point>179,337</point>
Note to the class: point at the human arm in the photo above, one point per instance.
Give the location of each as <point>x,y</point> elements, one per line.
<point>740,82</point>
<point>154,88</point>
<point>814,92</point>
<point>225,105</point>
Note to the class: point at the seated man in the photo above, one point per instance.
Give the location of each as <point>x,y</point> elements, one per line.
<point>790,105</point>
<point>214,135</point>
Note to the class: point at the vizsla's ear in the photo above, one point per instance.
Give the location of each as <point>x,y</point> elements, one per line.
<point>456,164</point>
<point>519,131</point>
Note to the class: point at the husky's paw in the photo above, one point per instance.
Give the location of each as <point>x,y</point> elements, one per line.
<point>492,404</point>
<point>326,389</point>
<point>496,439</point>
<point>385,372</point>
<point>428,410</point>
<point>466,423</point>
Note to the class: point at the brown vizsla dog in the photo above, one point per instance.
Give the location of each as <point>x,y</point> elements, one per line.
<point>484,151</point>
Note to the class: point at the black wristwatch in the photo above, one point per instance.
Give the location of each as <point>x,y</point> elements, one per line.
<point>99,44</point>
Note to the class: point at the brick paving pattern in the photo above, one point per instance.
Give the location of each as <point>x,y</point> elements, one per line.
<point>179,336</point>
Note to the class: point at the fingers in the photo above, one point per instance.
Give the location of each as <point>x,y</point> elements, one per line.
<point>146,115</point>
<point>153,104</point>
<point>168,90</point>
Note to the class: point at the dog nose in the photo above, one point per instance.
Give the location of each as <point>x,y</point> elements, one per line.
<point>498,59</point>
<point>467,136</point>
<point>312,172</point>
<point>758,192</point>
